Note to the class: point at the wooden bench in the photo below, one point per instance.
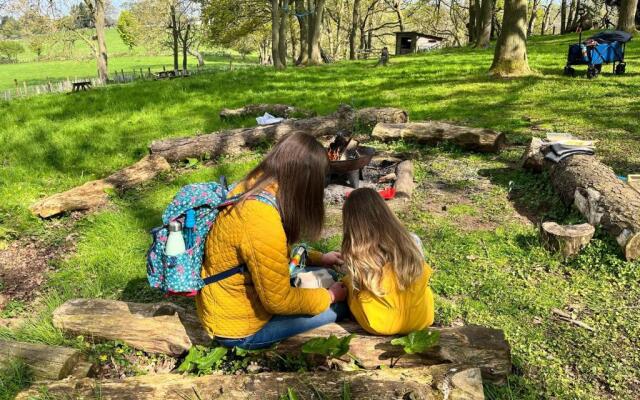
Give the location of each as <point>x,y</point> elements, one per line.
<point>82,85</point>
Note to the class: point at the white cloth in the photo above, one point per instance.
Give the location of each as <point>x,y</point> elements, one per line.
<point>268,119</point>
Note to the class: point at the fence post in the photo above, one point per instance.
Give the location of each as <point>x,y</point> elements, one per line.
<point>17,87</point>
<point>149,70</point>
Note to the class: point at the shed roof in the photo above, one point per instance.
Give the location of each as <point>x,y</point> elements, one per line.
<point>424,35</point>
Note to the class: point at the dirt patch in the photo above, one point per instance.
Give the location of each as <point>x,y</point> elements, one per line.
<point>24,264</point>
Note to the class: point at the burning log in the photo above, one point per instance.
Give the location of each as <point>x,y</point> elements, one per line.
<point>596,192</point>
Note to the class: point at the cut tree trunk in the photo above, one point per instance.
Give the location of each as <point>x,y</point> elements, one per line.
<point>510,57</point>
<point>170,329</point>
<point>93,194</point>
<point>568,240</point>
<point>597,193</point>
<point>404,180</point>
<point>277,110</point>
<point>454,382</point>
<point>433,132</point>
<point>237,141</point>
<point>45,362</point>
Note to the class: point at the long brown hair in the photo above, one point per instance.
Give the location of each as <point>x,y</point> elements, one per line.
<point>298,164</point>
<point>374,237</point>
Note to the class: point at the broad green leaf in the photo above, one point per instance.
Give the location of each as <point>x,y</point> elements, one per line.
<point>330,347</point>
<point>209,360</point>
<point>195,353</point>
<point>417,341</point>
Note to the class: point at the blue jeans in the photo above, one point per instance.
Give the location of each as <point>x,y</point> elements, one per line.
<point>281,327</point>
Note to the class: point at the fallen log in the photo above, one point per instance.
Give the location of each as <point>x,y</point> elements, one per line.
<point>595,190</point>
<point>433,132</point>
<point>93,194</point>
<point>45,362</point>
<point>404,184</point>
<point>238,141</point>
<point>277,110</point>
<point>568,240</point>
<point>454,382</point>
<point>171,329</point>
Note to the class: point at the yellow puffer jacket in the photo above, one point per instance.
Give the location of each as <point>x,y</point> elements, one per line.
<point>237,307</point>
<point>397,312</point>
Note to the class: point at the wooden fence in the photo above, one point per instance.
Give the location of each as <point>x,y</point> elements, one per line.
<point>22,89</point>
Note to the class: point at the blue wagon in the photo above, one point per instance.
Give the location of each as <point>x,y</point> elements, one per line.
<point>603,48</point>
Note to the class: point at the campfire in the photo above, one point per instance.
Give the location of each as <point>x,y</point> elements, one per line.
<point>353,166</point>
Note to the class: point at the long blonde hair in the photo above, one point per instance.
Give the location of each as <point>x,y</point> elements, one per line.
<point>374,237</point>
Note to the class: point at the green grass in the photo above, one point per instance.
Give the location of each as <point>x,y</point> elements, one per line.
<point>494,273</point>
<point>82,64</point>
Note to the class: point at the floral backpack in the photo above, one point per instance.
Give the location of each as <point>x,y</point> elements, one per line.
<point>181,274</point>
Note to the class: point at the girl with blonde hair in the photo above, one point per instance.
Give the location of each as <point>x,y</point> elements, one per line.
<point>387,279</point>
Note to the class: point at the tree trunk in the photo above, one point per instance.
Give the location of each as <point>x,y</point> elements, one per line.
<point>627,14</point>
<point>315,31</point>
<point>455,382</point>
<point>294,42</point>
<point>171,329</point>
<point>275,35</point>
<point>545,19</point>
<point>570,15</point>
<point>398,11</point>
<point>595,190</point>
<point>101,51</point>
<point>303,22</point>
<point>510,58</point>
<point>532,18</point>
<point>93,194</point>
<point>45,362</point>
<point>185,48</point>
<point>284,20</point>
<point>472,27</point>
<point>198,56</point>
<point>433,132</point>
<point>563,17</point>
<point>353,32</point>
<point>484,24</point>
<point>175,36</point>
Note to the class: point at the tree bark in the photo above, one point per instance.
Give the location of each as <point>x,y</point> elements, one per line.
<point>171,329</point>
<point>303,22</point>
<point>545,19</point>
<point>237,141</point>
<point>284,20</point>
<point>93,194</point>
<point>568,240</point>
<point>277,110</point>
<point>627,14</point>
<point>433,132</point>
<point>353,32</point>
<point>456,382</point>
<point>101,50</point>
<point>563,17</point>
<point>473,20</point>
<point>45,362</point>
<point>185,48</point>
<point>198,56</point>
<point>532,17</point>
<point>595,190</point>
<point>510,58</point>
<point>174,35</point>
<point>484,24</point>
<point>315,31</point>
<point>275,35</point>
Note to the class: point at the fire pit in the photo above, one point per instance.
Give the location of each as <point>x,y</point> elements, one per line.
<point>351,169</point>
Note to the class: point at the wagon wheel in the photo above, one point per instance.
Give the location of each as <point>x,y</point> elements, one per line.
<point>620,68</point>
<point>569,71</point>
<point>591,72</point>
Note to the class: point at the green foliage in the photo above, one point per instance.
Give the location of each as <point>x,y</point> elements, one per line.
<point>128,28</point>
<point>290,395</point>
<point>417,341</point>
<point>202,361</point>
<point>14,376</point>
<point>9,49</point>
<point>332,346</point>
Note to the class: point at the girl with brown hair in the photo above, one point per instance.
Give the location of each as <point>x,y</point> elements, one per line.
<point>254,305</point>
<point>387,278</point>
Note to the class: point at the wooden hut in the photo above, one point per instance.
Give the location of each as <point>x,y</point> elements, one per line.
<point>414,42</point>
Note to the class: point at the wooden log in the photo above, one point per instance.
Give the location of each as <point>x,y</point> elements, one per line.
<point>93,194</point>
<point>453,382</point>
<point>170,329</point>
<point>45,362</point>
<point>370,116</point>
<point>434,132</point>
<point>533,158</point>
<point>404,184</point>
<point>237,141</point>
<point>277,110</point>
<point>595,190</point>
<point>568,240</point>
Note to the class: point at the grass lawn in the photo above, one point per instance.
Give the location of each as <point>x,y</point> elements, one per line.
<point>489,266</point>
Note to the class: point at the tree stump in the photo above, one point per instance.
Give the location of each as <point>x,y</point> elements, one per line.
<point>434,132</point>
<point>566,239</point>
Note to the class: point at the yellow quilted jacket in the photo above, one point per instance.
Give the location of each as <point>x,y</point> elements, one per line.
<point>398,311</point>
<point>237,307</point>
